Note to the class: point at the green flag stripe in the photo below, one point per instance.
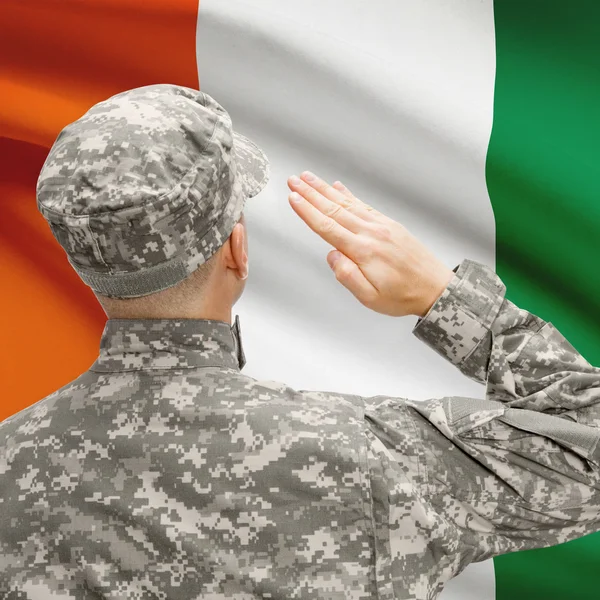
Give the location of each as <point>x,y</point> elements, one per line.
<point>543,177</point>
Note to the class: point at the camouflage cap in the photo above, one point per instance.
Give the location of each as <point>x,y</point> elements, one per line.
<point>146,186</point>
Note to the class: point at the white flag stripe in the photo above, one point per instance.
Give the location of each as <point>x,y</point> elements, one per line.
<point>394,98</point>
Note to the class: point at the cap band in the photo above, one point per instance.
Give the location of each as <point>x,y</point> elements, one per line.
<point>135,283</point>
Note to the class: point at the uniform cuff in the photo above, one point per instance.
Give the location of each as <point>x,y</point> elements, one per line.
<point>460,318</point>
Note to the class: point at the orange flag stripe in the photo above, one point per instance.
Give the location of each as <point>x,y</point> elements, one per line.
<point>61,58</point>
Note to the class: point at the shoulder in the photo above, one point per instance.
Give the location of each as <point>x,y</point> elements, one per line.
<point>29,412</point>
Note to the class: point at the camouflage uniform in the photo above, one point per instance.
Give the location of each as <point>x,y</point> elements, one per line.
<point>164,472</point>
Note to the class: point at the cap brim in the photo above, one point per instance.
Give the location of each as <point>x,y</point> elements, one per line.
<point>252,165</point>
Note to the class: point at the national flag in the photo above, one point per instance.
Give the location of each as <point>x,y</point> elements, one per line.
<point>476,124</point>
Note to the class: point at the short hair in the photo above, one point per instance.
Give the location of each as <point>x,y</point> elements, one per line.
<point>179,296</point>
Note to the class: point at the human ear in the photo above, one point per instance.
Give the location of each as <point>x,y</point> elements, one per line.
<point>238,247</point>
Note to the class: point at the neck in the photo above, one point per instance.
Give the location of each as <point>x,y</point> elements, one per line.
<point>168,308</point>
<point>216,314</point>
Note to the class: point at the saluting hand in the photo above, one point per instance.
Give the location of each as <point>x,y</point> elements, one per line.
<point>386,268</point>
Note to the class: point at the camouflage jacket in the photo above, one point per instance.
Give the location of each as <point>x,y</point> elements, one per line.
<point>163,472</point>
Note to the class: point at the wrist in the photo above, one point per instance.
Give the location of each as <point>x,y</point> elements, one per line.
<point>434,291</point>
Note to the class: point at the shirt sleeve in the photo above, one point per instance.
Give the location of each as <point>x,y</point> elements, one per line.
<point>516,470</point>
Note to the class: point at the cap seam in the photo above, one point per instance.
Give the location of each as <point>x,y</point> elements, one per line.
<point>95,239</point>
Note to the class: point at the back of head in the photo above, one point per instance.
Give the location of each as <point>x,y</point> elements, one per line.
<point>178,300</point>
<point>144,189</point>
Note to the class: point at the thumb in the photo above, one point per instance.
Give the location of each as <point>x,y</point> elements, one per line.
<point>351,277</point>
<point>333,257</point>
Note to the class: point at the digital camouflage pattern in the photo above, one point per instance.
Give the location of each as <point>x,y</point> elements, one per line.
<point>164,472</point>
<point>146,186</point>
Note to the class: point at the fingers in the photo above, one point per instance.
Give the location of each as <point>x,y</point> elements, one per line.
<point>340,187</point>
<point>337,216</point>
<point>343,197</point>
<point>335,210</point>
<point>326,227</point>
<point>373,214</point>
<point>352,278</point>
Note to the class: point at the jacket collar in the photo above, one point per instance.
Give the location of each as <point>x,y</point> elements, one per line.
<point>141,344</point>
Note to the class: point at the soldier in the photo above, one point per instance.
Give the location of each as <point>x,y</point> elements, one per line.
<point>164,472</point>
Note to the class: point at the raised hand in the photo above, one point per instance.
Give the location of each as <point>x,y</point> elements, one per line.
<point>386,268</point>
